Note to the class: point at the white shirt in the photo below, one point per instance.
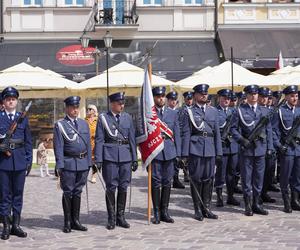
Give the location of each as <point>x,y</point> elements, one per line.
<point>291,108</point>
<point>71,119</point>
<point>200,106</point>
<point>254,105</point>
<point>13,114</point>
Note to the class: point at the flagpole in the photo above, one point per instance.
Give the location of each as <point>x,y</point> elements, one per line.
<point>150,165</point>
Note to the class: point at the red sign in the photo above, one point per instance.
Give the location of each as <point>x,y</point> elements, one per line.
<point>75,55</point>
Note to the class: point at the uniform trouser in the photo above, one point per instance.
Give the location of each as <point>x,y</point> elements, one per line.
<point>252,174</point>
<point>72,182</point>
<point>289,173</point>
<point>116,175</point>
<point>176,169</point>
<point>227,171</point>
<point>201,168</point>
<point>162,173</point>
<point>269,173</point>
<point>11,191</point>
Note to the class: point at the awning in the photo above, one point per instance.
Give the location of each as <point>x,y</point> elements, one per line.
<point>259,48</point>
<point>173,59</point>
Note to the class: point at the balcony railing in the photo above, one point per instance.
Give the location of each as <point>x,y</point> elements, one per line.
<point>116,12</point>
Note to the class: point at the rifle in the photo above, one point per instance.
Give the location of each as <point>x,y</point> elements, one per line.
<point>5,144</point>
<point>256,133</point>
<point>292,136</point>
<point>226,129</point>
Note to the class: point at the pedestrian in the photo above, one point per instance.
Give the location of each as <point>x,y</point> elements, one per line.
<point>202,147</point>
<point>73,155</point>
<point>116,156</point>
<point>253,153</point>
<point>42,157</point>
<point>91,119</point>
<point>15,163</point>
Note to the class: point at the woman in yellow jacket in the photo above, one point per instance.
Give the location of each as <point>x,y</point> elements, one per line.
<point>91,119</point>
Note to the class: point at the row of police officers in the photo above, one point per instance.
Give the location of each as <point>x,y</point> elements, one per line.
<point>212,145</point>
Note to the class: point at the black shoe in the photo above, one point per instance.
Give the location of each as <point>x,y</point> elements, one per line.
<point>257,207</point>
<point>219,202</point>
<point>287,203</point>
<point>121,203</point>
<point>267,198</point>
<point>16,229</point>
<point>111,208</point>
<point>207,187</point>
<point>164,204</point>
<point>248,205</point>
<point>231,200</point>
<point>177,183</point>
<point>185,177</point>
<point>274,188</point>
<point>196,200</point>
<point>237,190</point>
<point>6,228</point>
<point>156,203</point>
<point>295,201</point>
<point>66,203</point>
<point>75,211</point>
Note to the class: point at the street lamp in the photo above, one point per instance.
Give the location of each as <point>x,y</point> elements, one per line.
<point>84,39</point>
<point>107,42</point>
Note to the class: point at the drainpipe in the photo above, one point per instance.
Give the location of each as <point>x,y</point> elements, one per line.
<point>1,17</point>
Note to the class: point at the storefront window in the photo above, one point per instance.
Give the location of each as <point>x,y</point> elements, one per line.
<point>42,115</point>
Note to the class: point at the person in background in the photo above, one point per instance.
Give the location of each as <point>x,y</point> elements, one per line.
<point>91,119</point>
<point>42,157</point>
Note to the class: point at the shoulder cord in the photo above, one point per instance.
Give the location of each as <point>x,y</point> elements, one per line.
<point>282,123</point>
<point>201,126</point>
<point>63,132</point>
<point>105,125</point>
<point>243,121</point>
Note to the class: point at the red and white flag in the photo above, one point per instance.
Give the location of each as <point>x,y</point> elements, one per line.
<point>149,135</point>
<point>279,62</point>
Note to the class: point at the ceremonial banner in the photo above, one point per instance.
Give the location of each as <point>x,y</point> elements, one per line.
<point>149,127</point>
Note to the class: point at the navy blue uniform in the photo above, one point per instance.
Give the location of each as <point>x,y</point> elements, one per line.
<point>13,168</point>
<point>116,150</point>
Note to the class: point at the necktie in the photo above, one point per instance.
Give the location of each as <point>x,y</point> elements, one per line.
<point>225,110</point>
<point>253,108</point>
<point>118,118</point>
<point>76,124</point>
<point>202,108</point>
<point>10,116</point>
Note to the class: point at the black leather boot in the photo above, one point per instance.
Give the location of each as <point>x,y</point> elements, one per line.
<point>6,228</point>
<point>185,176</point>
<point>257,207</point>
<point>236,188</point>
<point>177,183</point>
<point>164,205</point>
<point>121,203</point>
<point>231,200</point>
<point>66,203</point>
<point>156,204</point>
<point>207,187</point>
<point>16,229</point>
<point>198,213</point>
<point>267,198</point>
<point>111,208</point>
<point>248,205</point>
<point>75,210</point>
<point>295,201</point>
<point>219,202</point>
<point>286,202</point>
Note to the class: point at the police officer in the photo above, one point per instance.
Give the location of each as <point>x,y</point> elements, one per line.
<point>263,99</point>
<point>253,153</point>
<point>72,149</point>
<point>241,97</point>
<point>172,101</point>
<point>201,143</point>
<point>115,154</point>
<point>226,170</point>
<point>163,163</point>
<point>289,154</point>
<point>233,100</point>
<point>1,103</point>
<point>13,167</point>
<point>188,102</point>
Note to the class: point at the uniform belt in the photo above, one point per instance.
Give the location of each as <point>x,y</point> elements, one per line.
<point>203,134</point>
<point>13,144</point>
<point>80,155</point>
<point>117,141</point>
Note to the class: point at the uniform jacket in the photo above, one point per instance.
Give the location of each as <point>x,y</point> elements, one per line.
<point>281,125</point>
<point>230,146</point>
<point>239,129</point>
<point>80,145</point>
<point>21,157</point>
<point>172,148</point>
<point>199,145</point>
<point>105,151</point>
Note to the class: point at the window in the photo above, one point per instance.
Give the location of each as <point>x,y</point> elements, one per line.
<point>74,2</point>
<point>33,2</point>
<point>193,1</point>
<point>152,2</point>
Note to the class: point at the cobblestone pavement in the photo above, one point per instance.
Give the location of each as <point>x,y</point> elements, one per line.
<point>43,220</point>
